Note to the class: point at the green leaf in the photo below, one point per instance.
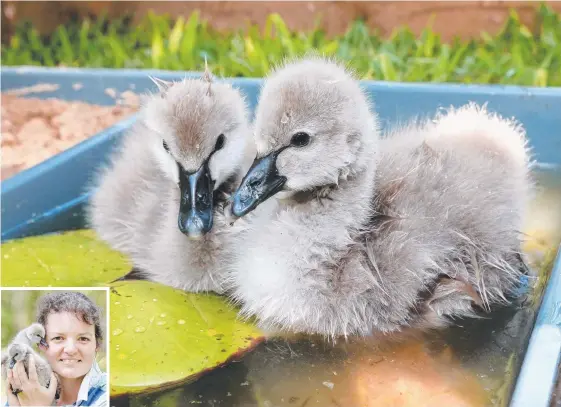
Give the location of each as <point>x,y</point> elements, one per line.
<point>387,68</point>
<point>175,36</point>
<point>189,39</point>
<point>157,48</point>
<point>282,33</point>
<point>329,48</point>
<point>69,259</point>
<point>161,336</point>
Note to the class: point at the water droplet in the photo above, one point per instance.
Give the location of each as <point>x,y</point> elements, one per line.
<point>117,331</point>
<point>181,321</point>
<point>211,332</point>
<point>117,303</point>
<point>329,385</point>
<point>161,323</point>
<point>139,329</point>
<point>163,314</point>
<point>154,299</point>
<point>6,256</point>
<point>129,316</point>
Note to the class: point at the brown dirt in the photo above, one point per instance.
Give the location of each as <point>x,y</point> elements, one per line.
<point>466,18</point>
<point>35,129</point>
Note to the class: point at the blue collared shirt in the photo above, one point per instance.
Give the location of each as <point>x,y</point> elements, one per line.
<point>93,390</point>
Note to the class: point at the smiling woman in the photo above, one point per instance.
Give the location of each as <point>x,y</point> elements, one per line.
<point>73,337</point>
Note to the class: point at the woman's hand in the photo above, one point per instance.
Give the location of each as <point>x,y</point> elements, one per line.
<point>33,393</point>
<point>12,400</point>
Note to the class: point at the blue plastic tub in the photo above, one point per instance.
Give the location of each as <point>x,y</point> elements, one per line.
<point>50,196</point>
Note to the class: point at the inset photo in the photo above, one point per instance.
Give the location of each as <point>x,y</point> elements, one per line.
<point>54,347</point>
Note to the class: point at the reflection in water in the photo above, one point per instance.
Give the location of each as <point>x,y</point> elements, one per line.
<point>470,365</point>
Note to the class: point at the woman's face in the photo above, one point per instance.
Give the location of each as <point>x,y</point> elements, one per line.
<point>72,345</point>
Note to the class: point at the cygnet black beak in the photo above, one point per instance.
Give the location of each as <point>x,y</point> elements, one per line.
<point>260,183</point>
<point>44,343</point>
<point>12,363</point>
<point>196,206</point>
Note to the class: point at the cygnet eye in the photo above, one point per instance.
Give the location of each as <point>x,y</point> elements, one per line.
<point>300,139</point>
<point>166,147</point>
<point>220,142</point>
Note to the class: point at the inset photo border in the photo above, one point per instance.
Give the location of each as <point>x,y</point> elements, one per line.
<point>65,332</point>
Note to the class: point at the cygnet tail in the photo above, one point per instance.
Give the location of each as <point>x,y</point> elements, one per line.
<point>472,128</point>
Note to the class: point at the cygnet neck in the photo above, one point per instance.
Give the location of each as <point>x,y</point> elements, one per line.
<point>347,205</point>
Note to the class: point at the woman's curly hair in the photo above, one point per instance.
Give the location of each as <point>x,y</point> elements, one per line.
<point>74,302</point>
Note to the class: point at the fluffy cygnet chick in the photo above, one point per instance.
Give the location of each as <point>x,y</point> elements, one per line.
<point>374,236</point>
<point>20,352</point>
<point>21,347</point>
<point>33,334</point>
<point>161,199</point>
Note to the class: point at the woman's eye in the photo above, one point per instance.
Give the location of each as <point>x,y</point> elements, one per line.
<point>56,338</point>
<point>300,139</point>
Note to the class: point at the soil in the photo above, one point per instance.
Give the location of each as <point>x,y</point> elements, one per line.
<point>35,129</point>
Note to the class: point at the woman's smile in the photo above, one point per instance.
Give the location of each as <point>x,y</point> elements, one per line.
<point>70,361</point>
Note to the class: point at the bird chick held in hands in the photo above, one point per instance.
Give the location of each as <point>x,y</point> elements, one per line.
<point>21,347</point>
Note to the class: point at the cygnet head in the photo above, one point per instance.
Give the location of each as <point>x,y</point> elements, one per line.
<point>16,352</point>
<point>36,334</point>
<point>313,127</point>
<point>200,132</point>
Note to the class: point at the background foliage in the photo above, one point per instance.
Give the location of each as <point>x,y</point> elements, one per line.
<point>516,55</point>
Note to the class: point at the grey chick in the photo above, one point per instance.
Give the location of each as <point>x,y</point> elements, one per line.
<point>20,352</point>
<point>33,334</point>
<point>21,347</point>
<point>161,199</point>
<point>375,235</point>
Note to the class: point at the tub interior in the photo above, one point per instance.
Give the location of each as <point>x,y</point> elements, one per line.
<point>476,362</point>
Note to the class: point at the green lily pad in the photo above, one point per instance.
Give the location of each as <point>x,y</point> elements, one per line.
<point>68,259</point>
<point>161,336</point>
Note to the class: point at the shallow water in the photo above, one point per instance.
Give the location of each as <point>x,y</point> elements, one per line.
<point>472,364</point>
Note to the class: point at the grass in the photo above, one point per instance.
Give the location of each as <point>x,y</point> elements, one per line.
<point>516,55</point>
